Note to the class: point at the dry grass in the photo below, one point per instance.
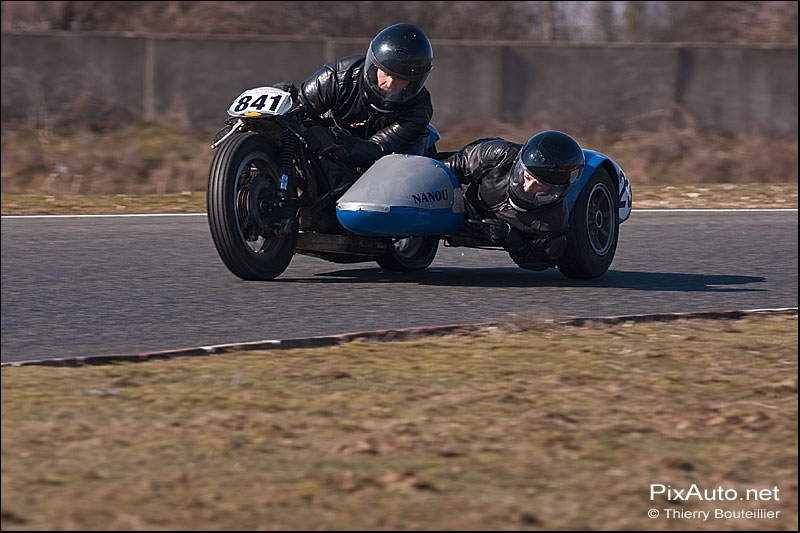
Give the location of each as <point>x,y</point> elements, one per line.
<point>137,159</point>
<point>665,147</point>
<point>727,195</point>
<point>147,159</point>
<point>760,195</point>
<point>185,202</point>
<point>540,429</point>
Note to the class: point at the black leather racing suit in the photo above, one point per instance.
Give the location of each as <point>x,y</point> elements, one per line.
<point>337,89</point>
<point>484,166</point>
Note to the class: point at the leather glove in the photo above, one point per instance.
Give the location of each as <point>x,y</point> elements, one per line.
<point>537,255</point>
<point>523,252</point>
<point>496,230</point>
<point>488,231</point>
<point>529,259</point>
<point>323,141</point>
<point>289,88</point>
<point>344,139</point>
<point>359,152</point>
<point>555,247</point>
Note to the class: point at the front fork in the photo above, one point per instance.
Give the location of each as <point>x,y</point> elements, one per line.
<point>290,146</point>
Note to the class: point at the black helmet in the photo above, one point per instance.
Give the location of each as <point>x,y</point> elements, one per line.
<point>403,52</point>
<point>545,169</point>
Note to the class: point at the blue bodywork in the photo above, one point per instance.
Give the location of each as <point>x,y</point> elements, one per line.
<point>403,195</point>
<point>401,222</point>
<point>593,161</point>
<point>433,137</point>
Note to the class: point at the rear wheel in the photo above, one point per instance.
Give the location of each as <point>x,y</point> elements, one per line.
<point>409,254</point>
<point>244,212</point>
<point>593,229</point>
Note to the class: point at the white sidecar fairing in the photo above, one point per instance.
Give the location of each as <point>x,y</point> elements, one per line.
<point>403,196</point>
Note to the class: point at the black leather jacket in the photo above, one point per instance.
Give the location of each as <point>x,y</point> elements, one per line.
<point>336,89</point>
<point>484,166</point>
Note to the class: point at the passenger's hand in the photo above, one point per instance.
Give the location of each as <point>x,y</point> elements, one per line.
<point>529,259</point>
<point>497,230</point>
<point>539,253</point>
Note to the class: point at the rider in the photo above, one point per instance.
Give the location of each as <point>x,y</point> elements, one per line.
<point>517,191</point>
<point>377,100</point>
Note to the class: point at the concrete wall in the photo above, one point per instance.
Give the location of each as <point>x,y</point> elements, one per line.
<point>190,81</point>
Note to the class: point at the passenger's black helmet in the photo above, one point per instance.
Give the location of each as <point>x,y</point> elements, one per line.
<point>403,52</point>
<point>553,163</point>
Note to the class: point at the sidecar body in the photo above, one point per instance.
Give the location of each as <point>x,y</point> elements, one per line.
<point>415,196</point>
<point>401,196</point>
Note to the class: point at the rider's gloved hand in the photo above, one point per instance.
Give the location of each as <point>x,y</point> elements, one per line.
<point>322,141</point>
<point>360,152</point>
<point>344,139</point>
<point>289,88</point>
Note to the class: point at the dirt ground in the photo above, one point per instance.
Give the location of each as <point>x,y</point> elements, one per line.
<point>520,428</point>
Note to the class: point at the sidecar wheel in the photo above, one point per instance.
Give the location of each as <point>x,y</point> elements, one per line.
<point>242,183</point>
<point>409,254</point>
<point>593,229</point>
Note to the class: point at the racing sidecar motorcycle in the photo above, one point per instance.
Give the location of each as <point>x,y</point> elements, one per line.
<point>268,199</point>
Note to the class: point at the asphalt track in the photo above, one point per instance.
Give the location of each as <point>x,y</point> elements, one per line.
<point>84,286</point>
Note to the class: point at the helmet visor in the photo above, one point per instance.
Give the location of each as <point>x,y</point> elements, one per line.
<point>529,190</point>
<point>388,88</point>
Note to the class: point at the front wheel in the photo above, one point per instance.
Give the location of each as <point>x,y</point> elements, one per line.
<point>244,212</point>
<point>409,254</point>
<point>593,229</point>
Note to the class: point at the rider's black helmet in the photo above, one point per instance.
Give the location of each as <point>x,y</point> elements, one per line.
<point>546,168</point>
<point>403,52</point>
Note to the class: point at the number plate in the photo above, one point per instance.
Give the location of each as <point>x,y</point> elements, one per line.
<point>261,101</point>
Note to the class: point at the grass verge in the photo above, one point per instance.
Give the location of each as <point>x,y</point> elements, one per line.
<point>539,429</point>
<point>145,159</point>
<point>727,195</point>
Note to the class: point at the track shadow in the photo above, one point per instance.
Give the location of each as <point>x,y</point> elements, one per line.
<point>516,277</point>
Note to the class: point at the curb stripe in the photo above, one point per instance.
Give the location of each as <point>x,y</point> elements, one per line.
<point>386,335</point>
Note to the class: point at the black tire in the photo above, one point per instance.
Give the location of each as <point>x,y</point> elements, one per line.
<point>409,254</point>
<point>593,229</point>
<point>236,164</point>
